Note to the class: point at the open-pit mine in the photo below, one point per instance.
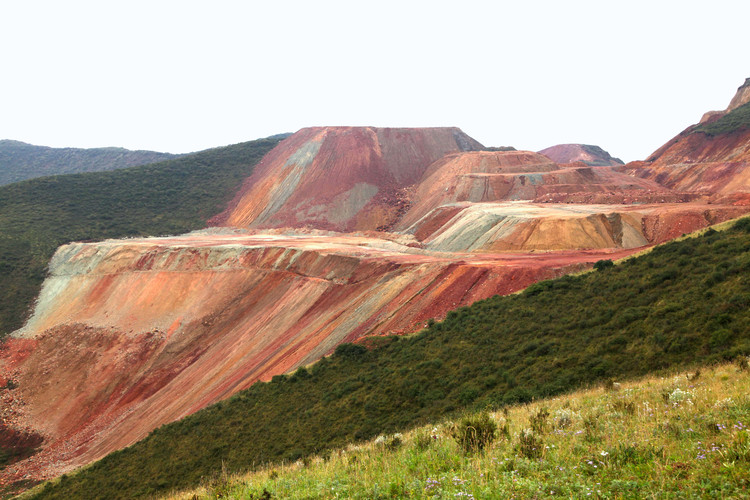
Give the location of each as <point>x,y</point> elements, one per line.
<point>339,234</point>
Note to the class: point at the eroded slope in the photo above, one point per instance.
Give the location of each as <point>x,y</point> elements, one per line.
<point>128,335</point>
<point>340,178</point>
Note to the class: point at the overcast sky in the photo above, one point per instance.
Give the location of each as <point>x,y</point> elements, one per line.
<point>182,76</point>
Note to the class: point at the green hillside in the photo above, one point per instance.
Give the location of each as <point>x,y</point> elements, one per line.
<point>684,303</point>
<point>682,436</point>
<point>20,161</point>
<point>170,197</point>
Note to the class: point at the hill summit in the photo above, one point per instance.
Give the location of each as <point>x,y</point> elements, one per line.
<point>340,178</point>
<point>593,156</point>
<point>20,161</point>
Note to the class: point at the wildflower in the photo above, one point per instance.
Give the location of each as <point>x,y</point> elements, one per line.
<point>678,396</point>
<point>603,453</point>
<point>724,403</point>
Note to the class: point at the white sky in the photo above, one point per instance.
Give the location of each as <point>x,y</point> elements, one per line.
<point>182,76</point>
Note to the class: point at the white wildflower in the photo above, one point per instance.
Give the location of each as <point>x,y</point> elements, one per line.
<point>678,396</point>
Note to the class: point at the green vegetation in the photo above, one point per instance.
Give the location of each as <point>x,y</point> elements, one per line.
<point>20,161</point>
<point>673,437</point>
<point>598,152</point>
<point>737,119</point>
<point>682,304</point>
<point>475,432</point>
<point>170,197</point>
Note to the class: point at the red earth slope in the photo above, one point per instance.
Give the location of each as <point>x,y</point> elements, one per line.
<point>340,178</point>
<point>130,335</point>
<point>715,166</point>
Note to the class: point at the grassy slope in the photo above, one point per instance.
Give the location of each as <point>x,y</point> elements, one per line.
<point>20,161</point>
<point>169,197</point>
<point>677,436</point>
<point>737,119</point>
<point>683,303</point>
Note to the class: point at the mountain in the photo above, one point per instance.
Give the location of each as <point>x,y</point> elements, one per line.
<point>340,178</point>
<point>710,158</point>
<point>38,215</point>
<point>593,156</point>
<point>339,234</point>
<point>20,161</point>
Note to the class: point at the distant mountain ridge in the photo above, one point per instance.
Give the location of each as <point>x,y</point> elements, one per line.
<point>20,161</point>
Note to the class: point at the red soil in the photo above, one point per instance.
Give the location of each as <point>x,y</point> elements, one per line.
<point>331,178</point>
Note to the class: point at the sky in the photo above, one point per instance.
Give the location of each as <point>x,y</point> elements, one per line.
<point>182,76</point>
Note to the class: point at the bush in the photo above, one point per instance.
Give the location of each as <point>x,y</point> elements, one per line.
<point>601,265</point>
<point>350,350</point>
<point>474,433</point>
<point>529,444</point>
<point>538,421</point>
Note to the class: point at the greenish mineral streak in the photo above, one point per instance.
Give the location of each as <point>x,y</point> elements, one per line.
<point>348,204</point>
<point>299,161</point>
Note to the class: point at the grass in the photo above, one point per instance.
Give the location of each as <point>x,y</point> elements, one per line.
<point>170,197</point>
<point>682,436</point>
<point>682,304</point>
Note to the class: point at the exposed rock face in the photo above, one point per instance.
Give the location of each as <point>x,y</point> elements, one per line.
<point>511,176</point>
<point>529,227</point>
<point>741,97</point>
<point>593,156</point>
<point>340,178</point>
<point>711,159</point>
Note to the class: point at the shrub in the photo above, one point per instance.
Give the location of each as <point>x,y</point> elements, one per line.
<point>475,432</point>
<point>741,362</point>
<point>601,265</point>
<point>624,407</point>
<point>538,421</point>
<point>423,440</point>
<point>529,444</point>
<point>564,418</point>
<point>350,350</point>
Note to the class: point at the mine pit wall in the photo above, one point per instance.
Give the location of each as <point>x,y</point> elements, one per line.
<point>713,180</point>
<point>117,345</point>
<point>525,227</point>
